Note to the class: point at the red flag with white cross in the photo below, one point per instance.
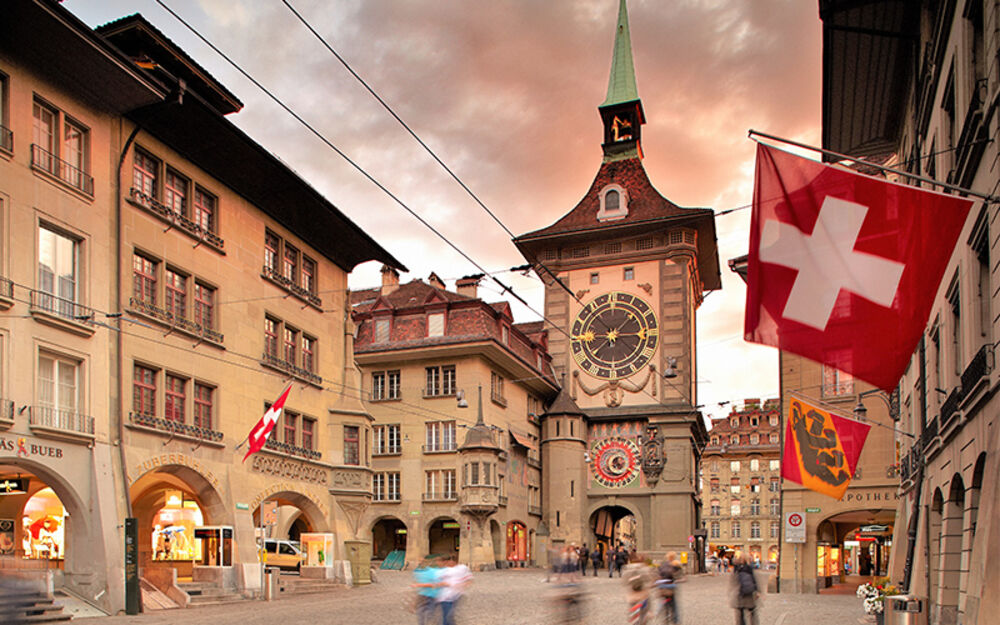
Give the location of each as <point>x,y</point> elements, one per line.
<point>843,267</point>
<point>258,435</point>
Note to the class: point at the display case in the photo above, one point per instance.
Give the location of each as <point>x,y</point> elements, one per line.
<point>318,548</point>
<point>216,545</point>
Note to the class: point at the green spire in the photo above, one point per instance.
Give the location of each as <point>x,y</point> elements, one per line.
<point>621,85</point>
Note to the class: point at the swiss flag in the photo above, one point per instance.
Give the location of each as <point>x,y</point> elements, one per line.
<point>258,435</point>
<point>843,268</point>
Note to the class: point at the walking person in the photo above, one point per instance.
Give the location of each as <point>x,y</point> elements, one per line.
<point>427,581</point>
<point>455,578</point>
<point>669,574</point>
<point>621,559</point>
<point>611,560</point>
<point>595,558</point>
<point>745,592</point>
<point>584,554</point>
<point>636,592</point>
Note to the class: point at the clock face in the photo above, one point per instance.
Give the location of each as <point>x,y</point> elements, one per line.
<point>615,462</point>
<point>614,336</point>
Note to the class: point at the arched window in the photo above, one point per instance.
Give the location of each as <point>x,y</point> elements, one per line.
<point>614,203</point>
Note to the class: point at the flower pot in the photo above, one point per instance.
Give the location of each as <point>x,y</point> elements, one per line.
<point>880,618</point>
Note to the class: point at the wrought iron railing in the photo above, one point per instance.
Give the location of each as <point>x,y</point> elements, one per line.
<point>838,389</point>
<point>273,275</point>
<point>292,450</point>
<point>175,427</point>
<point>439,449</point>
<point>174,218</point>
<point>71,421</point>
<point>275,362</point>
<point>978,369</point>
<point>178,321</point>
<point>6,288</point>
<point>949,409</point>
<point>6,139</point>
<point>6,410</point>
<point>440,496</point>
<point>68,309</point>
<point>51,164</point>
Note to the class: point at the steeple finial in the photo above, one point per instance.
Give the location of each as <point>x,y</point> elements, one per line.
<point>621,84</point>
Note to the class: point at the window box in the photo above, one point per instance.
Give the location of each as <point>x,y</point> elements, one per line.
<point>274,362</point>
<point>273,276</point>
<point>176,322</point>
<point>61,313</point>
<point>153,423</point>
<point>292,450</point>
<point>156,208</point>
<point>6,293</point>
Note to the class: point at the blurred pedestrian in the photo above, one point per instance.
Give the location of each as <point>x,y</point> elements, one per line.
<point>584,554</point>
<point>595,558</point>
<point>636,578</point>
<point>427,581</point>
<point>455,578</point>
<point>611,560</point>
<point>745,592</point>
<point>669,574</point>
<point>621,559</point>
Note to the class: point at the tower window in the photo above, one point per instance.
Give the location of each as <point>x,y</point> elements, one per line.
<point>595,278</point>
<point>614,203</point>
<point>628,273</point>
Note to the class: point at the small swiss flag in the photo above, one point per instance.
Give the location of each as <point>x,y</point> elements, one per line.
<point>258,435</point>
<point>843,268</point>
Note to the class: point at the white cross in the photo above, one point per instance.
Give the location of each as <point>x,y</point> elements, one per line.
<point>826,262</point>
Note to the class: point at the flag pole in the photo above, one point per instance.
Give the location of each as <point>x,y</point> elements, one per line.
<point>989,198</point>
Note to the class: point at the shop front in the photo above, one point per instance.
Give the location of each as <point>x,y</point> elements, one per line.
<point>517,543</point>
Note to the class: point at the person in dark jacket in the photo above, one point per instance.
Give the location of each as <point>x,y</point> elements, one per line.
<point>611,560</point>
<point>595,559</point>
<point>745,592</point>
<point>584,557</point>
<point>621,559</point>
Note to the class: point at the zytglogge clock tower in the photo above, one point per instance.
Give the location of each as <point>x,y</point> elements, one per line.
<point>625,271</point>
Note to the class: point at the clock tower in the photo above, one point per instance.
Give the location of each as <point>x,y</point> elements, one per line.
<point>625,272</point>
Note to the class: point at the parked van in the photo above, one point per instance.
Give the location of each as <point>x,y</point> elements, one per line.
<point>282,554</point>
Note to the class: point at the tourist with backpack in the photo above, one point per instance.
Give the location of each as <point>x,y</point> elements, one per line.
<point>745,592</point>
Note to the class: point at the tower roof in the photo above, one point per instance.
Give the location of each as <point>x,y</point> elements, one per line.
<point>621,84</point>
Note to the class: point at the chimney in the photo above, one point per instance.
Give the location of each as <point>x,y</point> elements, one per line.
<point>467,286</point>
<point>390,280</point>
<point>435,281</point>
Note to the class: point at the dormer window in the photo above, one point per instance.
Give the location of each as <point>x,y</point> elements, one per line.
<point>614,203</point>
<point>435,324</point>
<point>734,422</point>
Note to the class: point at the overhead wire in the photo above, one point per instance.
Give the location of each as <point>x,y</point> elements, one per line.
<point>358,167</point>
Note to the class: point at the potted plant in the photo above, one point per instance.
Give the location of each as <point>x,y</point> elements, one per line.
<point>874,595</point>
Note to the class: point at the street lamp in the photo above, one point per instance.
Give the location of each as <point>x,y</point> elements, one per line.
<point>460,398</point>
<point>861,413</point>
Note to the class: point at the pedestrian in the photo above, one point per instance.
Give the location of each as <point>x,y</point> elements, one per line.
<point>584,554</point>
<point>621,559</point>
<point>595,559</point>
<point>427,581</point>
<point>745,592</point>
<point>455,578</point>
<point>669,574</point>
<point>611,560</point>
<point>636,591</point>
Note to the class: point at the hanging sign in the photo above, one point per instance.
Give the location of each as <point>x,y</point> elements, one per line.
<point>14,486</point>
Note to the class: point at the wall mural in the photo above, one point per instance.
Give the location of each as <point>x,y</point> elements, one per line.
<point>615,457</point>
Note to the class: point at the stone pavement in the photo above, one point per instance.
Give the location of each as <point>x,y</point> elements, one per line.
<point>510,597</point>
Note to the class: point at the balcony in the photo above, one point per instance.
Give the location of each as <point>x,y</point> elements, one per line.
<point>74,177</point>
<point>292,450</point>
<point>182,324</point>
<point>175,220</point>
<point>174,428</point>
<point>61,312</point>
<point>274,362</point>
<point>977,372</point>
<point>272,275</point>
<point>50,420</point>
<point>502,500</point>
<point>535,510</point>
<point>6,414</point>
<point>480,498</point>
<point>949,409</point>
<point>447,448</point>
<point>6,293</point>
<point>388,451</point>
<point>445,496</point>
<point>6,139</point>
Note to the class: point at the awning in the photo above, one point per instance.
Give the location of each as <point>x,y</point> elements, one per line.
<point>521,439</point>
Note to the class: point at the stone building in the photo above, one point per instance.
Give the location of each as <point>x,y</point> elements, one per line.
<point>157,294</point>
<point>939,122</point>
<point>455,389</point>
<point>625,271</point>
<point>741,482</point>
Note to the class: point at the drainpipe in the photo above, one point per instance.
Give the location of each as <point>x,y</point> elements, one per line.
<point>120,346</point>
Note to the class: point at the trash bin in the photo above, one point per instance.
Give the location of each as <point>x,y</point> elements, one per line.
<point>905,610</point>
<point>271,590</point>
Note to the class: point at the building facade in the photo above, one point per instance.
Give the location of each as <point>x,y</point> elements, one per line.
<point>158,295</point>
<point>939,123</point>
<point>456,390</point>
<point>625,271</point>
<point>741,482</point>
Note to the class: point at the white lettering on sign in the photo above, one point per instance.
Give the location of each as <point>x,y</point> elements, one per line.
<point>795,527</point>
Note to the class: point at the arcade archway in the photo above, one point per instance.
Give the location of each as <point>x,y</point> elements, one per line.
<point>443,537</point>
<point>854,543</point>
<point>388,534</point>
<point>614,526</point>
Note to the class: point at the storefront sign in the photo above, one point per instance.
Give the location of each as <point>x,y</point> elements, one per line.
<point>132,596</point>
<point>290,469</point>
<point>795,527</point>
<point>24,449</point>
<point>14,486</point>
<point>164,460</point>
<point>887,496</point>
<point>287,487</point>
<point>242,506</point>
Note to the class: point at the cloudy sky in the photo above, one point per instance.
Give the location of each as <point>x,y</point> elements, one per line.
<point>506,92</point>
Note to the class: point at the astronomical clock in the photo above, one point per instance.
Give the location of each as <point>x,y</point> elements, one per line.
<point>615,461</point>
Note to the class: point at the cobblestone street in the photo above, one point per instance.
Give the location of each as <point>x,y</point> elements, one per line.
<point>512,597</point>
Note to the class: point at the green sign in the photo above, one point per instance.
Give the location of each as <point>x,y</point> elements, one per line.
<point>812,509</point>
<point>414,512</point>
<point>242,506</point>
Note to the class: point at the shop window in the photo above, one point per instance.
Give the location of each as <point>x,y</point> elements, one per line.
<point>173,528</point>
<point>43,523</point>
